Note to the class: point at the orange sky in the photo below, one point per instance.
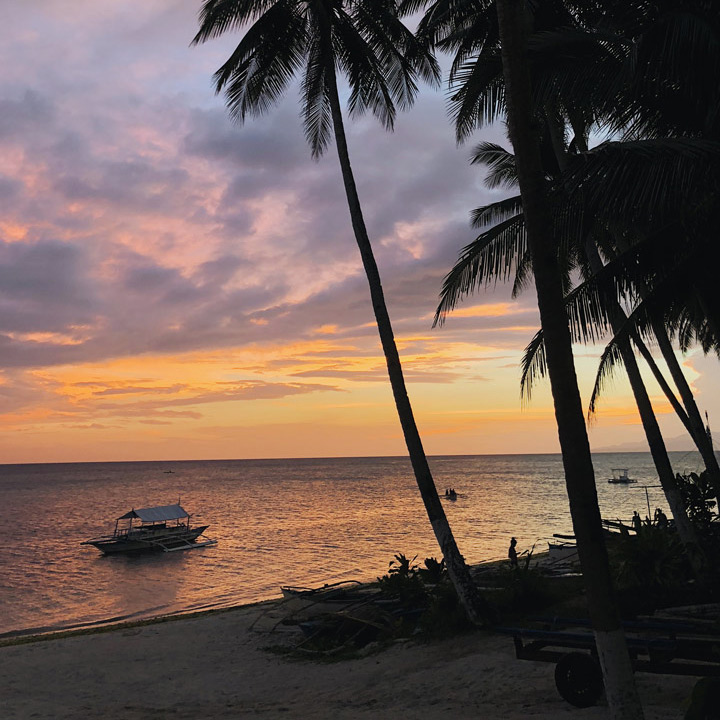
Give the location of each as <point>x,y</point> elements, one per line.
<point>176,287</point>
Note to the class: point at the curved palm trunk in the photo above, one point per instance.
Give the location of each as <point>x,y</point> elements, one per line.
<point>691,418</point>
<point>690,415</point>
<point>685,528</point>
<point>579,475</point>
<point>688,411</point>
<point>697,427</point>
<point>475,606</point>
<point>654,437</point>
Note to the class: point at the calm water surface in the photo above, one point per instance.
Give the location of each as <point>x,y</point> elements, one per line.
<point>277,522</point>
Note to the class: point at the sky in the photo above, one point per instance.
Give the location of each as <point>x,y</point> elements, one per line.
<point>176,286</point>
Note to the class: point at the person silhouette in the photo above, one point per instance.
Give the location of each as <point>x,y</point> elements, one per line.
<point>636,521</point>
<point>512,553</point>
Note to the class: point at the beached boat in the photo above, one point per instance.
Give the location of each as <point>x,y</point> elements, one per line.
<point>334,592</point>
<point>562,548</point>
<point>620,477</point>
<point>164,528</point>
<point>562,551</point>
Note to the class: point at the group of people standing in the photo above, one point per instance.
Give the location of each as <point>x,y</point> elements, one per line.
<point>660,520</point>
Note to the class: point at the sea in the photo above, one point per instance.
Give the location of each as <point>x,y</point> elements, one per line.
<point>301,522</point>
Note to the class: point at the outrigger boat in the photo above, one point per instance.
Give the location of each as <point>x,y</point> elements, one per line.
<point>165,528</point>
<point>620,477</point>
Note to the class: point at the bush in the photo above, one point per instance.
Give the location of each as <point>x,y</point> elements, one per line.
<point>699,497</point>
<point>424,599</point>
<point>650,568</point>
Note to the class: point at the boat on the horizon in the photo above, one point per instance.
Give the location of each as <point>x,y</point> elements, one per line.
<point>164,528</point>
<point>620,477</point>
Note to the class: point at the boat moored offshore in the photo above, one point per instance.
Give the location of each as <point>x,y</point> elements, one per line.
<point>164,528</point>
<point>620,477</point>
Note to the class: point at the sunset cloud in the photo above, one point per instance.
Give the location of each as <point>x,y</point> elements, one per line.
<point>161,266</point>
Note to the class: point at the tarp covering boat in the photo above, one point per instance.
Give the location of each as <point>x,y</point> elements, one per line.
<point>156,514</point>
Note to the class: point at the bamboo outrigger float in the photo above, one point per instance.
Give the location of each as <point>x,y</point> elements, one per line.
<point>165,528</point>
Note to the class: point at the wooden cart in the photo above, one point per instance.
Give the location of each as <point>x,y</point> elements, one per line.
<point>669,648</point>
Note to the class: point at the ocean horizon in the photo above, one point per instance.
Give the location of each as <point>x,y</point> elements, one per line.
<point>610,450</point>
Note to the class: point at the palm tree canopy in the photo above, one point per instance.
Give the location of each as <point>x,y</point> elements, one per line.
<point>361,39</point>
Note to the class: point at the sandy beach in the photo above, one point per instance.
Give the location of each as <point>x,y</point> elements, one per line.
<point>220,666</point>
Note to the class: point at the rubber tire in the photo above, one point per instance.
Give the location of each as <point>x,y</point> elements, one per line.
<point>578,679</point>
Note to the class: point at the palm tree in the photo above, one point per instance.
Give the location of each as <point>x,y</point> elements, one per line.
<point>579,474</point>
<point>496,251</point>
<point>608,63</point>
<point>594,87</point>
<point>381,59</point>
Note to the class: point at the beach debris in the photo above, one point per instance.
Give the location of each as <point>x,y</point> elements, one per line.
<point>350,615</point>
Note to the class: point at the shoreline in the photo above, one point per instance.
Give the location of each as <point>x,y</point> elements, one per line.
<point>228,663</point>
<point>25,636</point>
<point>20,637</point>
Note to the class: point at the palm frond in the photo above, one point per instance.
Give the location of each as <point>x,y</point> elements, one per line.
<point>480,99</point>
<point>491,257</point>
<point>317,115</point>
<point>502,171</point>
<point>265,60</point>
<point>533,366</point>
<point>650,179</point>
<point>461,26</point>
<point>216,17</point>
<point>523,276</point>
<point>496,212</point>
<point>610,360</point>
<point>578,70</point>
<point>369,88</point>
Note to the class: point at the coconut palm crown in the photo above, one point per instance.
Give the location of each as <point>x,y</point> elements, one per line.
<point>362,39</point>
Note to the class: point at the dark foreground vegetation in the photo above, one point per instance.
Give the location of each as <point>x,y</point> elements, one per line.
<point>415,599</point>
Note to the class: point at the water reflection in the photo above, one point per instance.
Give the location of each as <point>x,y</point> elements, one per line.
<point>301,522</point>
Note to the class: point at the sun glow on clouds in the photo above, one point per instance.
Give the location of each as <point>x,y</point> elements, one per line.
<point>171,282</point>
<point>490,310</point>
<point>77,337</point>
<point>13,233</point>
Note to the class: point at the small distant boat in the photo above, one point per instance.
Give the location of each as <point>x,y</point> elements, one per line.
<point>164,528</point>
<point>620,477</point>
<point>450,494</point>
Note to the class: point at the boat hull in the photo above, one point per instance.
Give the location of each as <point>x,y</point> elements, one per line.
<point>150,542</point>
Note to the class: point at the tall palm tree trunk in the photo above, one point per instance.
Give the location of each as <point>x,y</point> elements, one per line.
<point>579,475</point>
<point>477,609</point>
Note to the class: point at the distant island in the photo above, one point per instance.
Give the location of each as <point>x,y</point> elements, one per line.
<point>681,443</point>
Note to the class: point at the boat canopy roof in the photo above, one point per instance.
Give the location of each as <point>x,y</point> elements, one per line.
<point>156,514</point>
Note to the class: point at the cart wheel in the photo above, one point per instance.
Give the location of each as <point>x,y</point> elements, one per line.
<point>578,679</point>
